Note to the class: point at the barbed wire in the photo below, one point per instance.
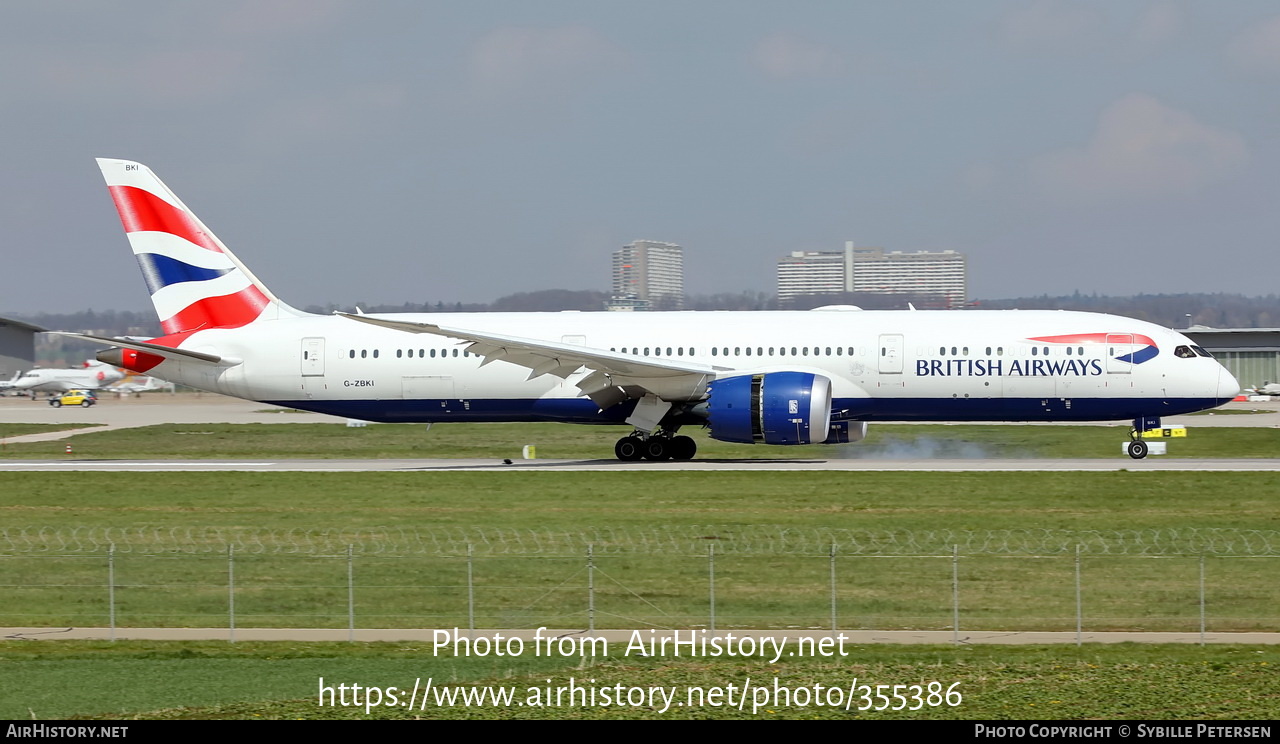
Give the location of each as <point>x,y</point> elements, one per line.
<point>657,540</point>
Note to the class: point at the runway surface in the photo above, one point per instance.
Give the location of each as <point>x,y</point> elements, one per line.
<point>562,466</point>
<point>189,408</point>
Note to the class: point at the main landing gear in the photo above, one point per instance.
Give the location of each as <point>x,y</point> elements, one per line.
<point>658,446</point>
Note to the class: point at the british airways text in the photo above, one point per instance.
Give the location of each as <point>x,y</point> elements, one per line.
<point>1016,368</point>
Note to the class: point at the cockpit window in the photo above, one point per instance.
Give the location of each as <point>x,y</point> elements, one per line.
<point>1184,352</point>
<point>1200,351</point>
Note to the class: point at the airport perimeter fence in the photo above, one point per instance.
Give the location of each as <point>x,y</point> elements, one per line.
<point>716,577</point>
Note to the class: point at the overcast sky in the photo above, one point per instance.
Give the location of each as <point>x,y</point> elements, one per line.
<point>381,151</point>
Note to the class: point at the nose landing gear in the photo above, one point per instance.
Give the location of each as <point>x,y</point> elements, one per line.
<point>1137,447</point>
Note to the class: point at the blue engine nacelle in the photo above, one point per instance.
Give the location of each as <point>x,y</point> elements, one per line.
<point>770,408</point>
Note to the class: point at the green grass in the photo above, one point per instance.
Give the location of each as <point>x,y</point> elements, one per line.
<point>397,501</point>
<point>651,534</point>
<point>17,430</point>
<point>171,569</point>
<point>566,441</point>
<point>149,680</point>
<point>113,680</point>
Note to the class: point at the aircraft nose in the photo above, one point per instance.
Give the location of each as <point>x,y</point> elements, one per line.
<point>1228,386</point>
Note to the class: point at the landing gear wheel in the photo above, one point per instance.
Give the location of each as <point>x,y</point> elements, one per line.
<point>1137,449</point>
<point>629,449</point>
<point>682,448</point>
<point>657,448</point>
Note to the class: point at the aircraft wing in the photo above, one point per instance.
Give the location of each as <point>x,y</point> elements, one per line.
<point>614,377</point>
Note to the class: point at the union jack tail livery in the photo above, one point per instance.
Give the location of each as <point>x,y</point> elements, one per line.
<point>196,283</point>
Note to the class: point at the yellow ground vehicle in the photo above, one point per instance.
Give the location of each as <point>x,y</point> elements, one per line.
<point>84,398</point>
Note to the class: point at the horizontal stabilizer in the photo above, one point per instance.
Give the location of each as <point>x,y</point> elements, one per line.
<point>168,352</point>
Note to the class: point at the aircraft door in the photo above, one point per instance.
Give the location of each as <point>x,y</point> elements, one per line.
<point>890,353</point>
<point>1119,344</point>
<point>313,357</point>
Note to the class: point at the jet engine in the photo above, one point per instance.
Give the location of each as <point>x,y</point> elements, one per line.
<point>770,408</point>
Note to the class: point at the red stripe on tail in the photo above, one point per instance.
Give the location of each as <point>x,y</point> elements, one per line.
<point>226,311</point>
<point>142,210</point>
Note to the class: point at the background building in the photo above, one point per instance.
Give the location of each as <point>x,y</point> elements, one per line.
<point>17,347</point>
<point>813,272</point>
<point>648,275</point>
<point>938,280</point>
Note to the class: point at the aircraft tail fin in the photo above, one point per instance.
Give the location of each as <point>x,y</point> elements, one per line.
<point>195,281</point>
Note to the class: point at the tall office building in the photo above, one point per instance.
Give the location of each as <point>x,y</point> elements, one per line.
<point>923,274</point>
<point>648,275</point>
<point>811,272</point>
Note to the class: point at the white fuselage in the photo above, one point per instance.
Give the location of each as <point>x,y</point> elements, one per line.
<point>883,366</point>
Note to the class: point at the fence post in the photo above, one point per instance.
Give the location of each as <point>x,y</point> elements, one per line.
<point>1202,608</point>
<point>711,576</point>
<point>351,593</point>
<point>111,587</point>
<point>471,593</point>
<point>1079,601</point>
<point>591,592</point>
<point>231,592</point>
<point>833,587</point>
<point>955,594</point>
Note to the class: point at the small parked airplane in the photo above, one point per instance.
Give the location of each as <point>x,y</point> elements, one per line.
<point>91,376</point>
<point>782,378</point>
